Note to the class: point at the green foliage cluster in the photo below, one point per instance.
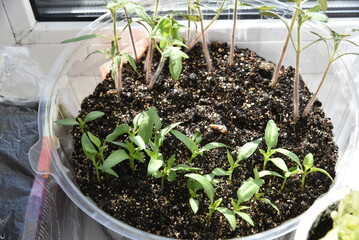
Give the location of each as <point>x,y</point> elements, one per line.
<point>345,219</point>
<point>166,38</point>
<point>142,142</point>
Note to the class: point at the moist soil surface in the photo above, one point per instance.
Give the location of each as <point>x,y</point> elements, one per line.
<point>237,97</point>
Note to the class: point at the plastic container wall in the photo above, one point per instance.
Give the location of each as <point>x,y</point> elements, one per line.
<point>73,78</point>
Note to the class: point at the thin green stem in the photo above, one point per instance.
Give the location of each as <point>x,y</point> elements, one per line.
<point>283,184</point>
<point>96,171</point>
<point>303,181</point>
<point>314,97</point>
<point>204,44</point>
<point>157,73</point>
<point>132,163</point>
<point>212,21</point>
<point>163,181</point>
<point>118,75</point>
<point>279,64</point>
<point>188,22</point>
<point>131,35</point>
<point>231,53</point>
<point>296,78</point>
<point>115,33</point>
<point>148,62</point>
<point>156,8</point>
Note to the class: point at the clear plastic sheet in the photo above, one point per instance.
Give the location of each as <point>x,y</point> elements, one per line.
<point>31,206</point>
<point>20,76</point>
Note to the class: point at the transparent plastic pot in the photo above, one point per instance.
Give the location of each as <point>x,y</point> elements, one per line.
<point>321,208</point>
<point>73,78</point>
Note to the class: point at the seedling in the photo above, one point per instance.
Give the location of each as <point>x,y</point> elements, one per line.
<point>167,32</point>
<point>117,57</point>
<point>323,6</point>
<point>197,6</point>
<point>81,122</point>
<point>141,133</point>
<point>94,148</point>
<point>207,186</point>
<point>218,12</point>
<point>271,140</point>
<point>302,16</point>
<point>166,170</point>
<point>337,40</point>
<point>193,144</point>
<point>243,153</point>
<point>258,196</point>
<point>261,9</point>
<point>303,168</point>
<point>244,194</point>
<point>194,186</point>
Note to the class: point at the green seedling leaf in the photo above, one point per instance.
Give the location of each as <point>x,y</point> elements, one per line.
<point>94,139</point>
<point>161,136</point>
<point>229,215</point>
<point>248,149</point>
<point>140,11</point>
<point>175,54</point>
<point>93,115</point>
<point>268,173</point>
<point>121,144</point>
<point>270,14</point>
<point>230,158</point>
<point>154,165</point>
<point>138,141</point>
<point>138,156</point>
<point>323,4</point>
<point>97,51</point>
<point>84,37</point>
<point>146,128</point>
<point>317,16</point>
<point>154,118</point>
<point>154,147</point>
<point>112,160</point>
<point>130,60</point>
<point>290,155</point>
<point>220,172</point>
<point>191,145</point>
<point>194,203</point>
<point>308,161</point>
<point>314,169</point>
<point>269,202</point>
<point>119,130</point>
<point>271,134</point>
<point>189,17</point>
<point>213,145</point>
<point>280,164</point>
<point>217,203</point>
<point>206,184</point>
<point>246,217</point>
<point>67,121</point>
<point>88,148</point>
<point>184,168</point>
<point>248,189</point>
<point>171,176</point>
<point>137,120</point>
<point>171,161</point>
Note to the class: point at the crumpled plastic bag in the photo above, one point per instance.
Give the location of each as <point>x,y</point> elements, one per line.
<point>20,76</point>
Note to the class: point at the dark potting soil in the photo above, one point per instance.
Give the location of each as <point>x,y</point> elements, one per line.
<point>237,97</point>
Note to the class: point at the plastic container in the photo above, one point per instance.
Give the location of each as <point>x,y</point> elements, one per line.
<point>322,207</point>
<point>72,78</point>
